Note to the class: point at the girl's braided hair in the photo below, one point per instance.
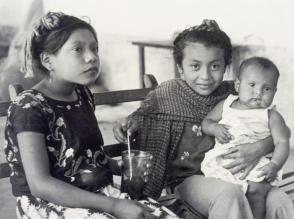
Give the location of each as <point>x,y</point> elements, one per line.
<point>48,35</point>
<point>207,33</point>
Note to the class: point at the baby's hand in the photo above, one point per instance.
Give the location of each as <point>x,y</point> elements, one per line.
<point>269,171</point>
<point>222,134</point>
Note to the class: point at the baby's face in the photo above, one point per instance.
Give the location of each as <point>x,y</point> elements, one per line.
<point>257,87</point>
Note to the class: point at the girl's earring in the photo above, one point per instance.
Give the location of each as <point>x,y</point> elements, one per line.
<point>50,68</point>
<point>180,69</point>
<point>181,74</point>
<point>50,73</point>
<point>50,78</point>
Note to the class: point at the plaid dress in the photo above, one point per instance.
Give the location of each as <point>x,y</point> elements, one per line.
<point>163,117</point>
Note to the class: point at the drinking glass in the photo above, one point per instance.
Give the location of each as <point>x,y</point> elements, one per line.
<point>136,166</point>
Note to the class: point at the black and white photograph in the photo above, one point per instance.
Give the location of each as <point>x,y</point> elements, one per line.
<point>156,109</point>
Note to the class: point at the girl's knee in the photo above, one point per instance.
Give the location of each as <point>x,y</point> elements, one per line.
<point>209,190</point>
<point>232,197</point>
<point>190,184</point>
<point>231,192</point>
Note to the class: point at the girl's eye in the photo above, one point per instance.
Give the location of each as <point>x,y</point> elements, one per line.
<point>78,49</point>
<point>195,66</point>
<point>95,49</point>
<point>215,67</point>
<point>251,84</point>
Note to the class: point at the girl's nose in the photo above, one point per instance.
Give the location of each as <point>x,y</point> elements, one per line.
<point>205,73</point>
<point>91,56</point>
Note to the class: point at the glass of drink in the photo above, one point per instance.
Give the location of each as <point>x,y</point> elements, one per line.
<point>136,165</point>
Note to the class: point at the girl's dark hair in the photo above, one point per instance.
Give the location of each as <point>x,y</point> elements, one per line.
<point>207,33</point>
<point>48,35</point>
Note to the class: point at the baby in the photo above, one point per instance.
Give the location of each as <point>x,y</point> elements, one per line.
<point>247,118</point>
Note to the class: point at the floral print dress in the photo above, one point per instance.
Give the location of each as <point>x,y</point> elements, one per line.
<point>73,141</point>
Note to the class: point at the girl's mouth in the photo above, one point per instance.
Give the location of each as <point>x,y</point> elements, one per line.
<point>204,86</point>
<point>92,69</point>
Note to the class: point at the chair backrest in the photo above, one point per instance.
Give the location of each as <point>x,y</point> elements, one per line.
<point>109,97</point>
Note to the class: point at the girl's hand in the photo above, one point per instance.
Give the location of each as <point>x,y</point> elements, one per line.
<point>122,127</point>
<point>245,158</point>
<point>129,209</point>
<point>222,134</point>
<point>269,171</point>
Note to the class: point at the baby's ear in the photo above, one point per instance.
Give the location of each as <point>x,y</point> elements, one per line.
<point>237,85</point>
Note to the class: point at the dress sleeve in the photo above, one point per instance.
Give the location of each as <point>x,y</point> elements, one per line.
<point>28,115</point>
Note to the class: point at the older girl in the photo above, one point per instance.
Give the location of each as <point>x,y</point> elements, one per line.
<point>53,142</point>
<point>168,124</point>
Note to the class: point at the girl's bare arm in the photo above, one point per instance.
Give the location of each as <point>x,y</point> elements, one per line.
<point>36,166</point>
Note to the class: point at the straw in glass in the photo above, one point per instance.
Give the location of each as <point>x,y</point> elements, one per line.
<point>130,161</point>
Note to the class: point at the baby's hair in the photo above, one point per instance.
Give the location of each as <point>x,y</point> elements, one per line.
<point>207,33</point>
<point>260,61</point>
<point>48,35</point>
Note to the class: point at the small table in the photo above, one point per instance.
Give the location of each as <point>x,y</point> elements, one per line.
<point>164,44</point>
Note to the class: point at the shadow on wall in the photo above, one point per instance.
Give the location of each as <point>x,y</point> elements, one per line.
<point>11,69</point>
<point>10,73</point>
<point>6,34</point>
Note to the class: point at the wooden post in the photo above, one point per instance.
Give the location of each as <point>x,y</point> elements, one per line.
<point>142,65</point>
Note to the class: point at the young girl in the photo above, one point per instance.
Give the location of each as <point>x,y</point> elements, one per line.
<point>168,124</point>
<point>247,118</point>
<point>53,142</point>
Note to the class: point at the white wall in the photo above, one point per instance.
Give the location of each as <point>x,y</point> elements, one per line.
<point>271,20</point>
<point>13,12</point>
